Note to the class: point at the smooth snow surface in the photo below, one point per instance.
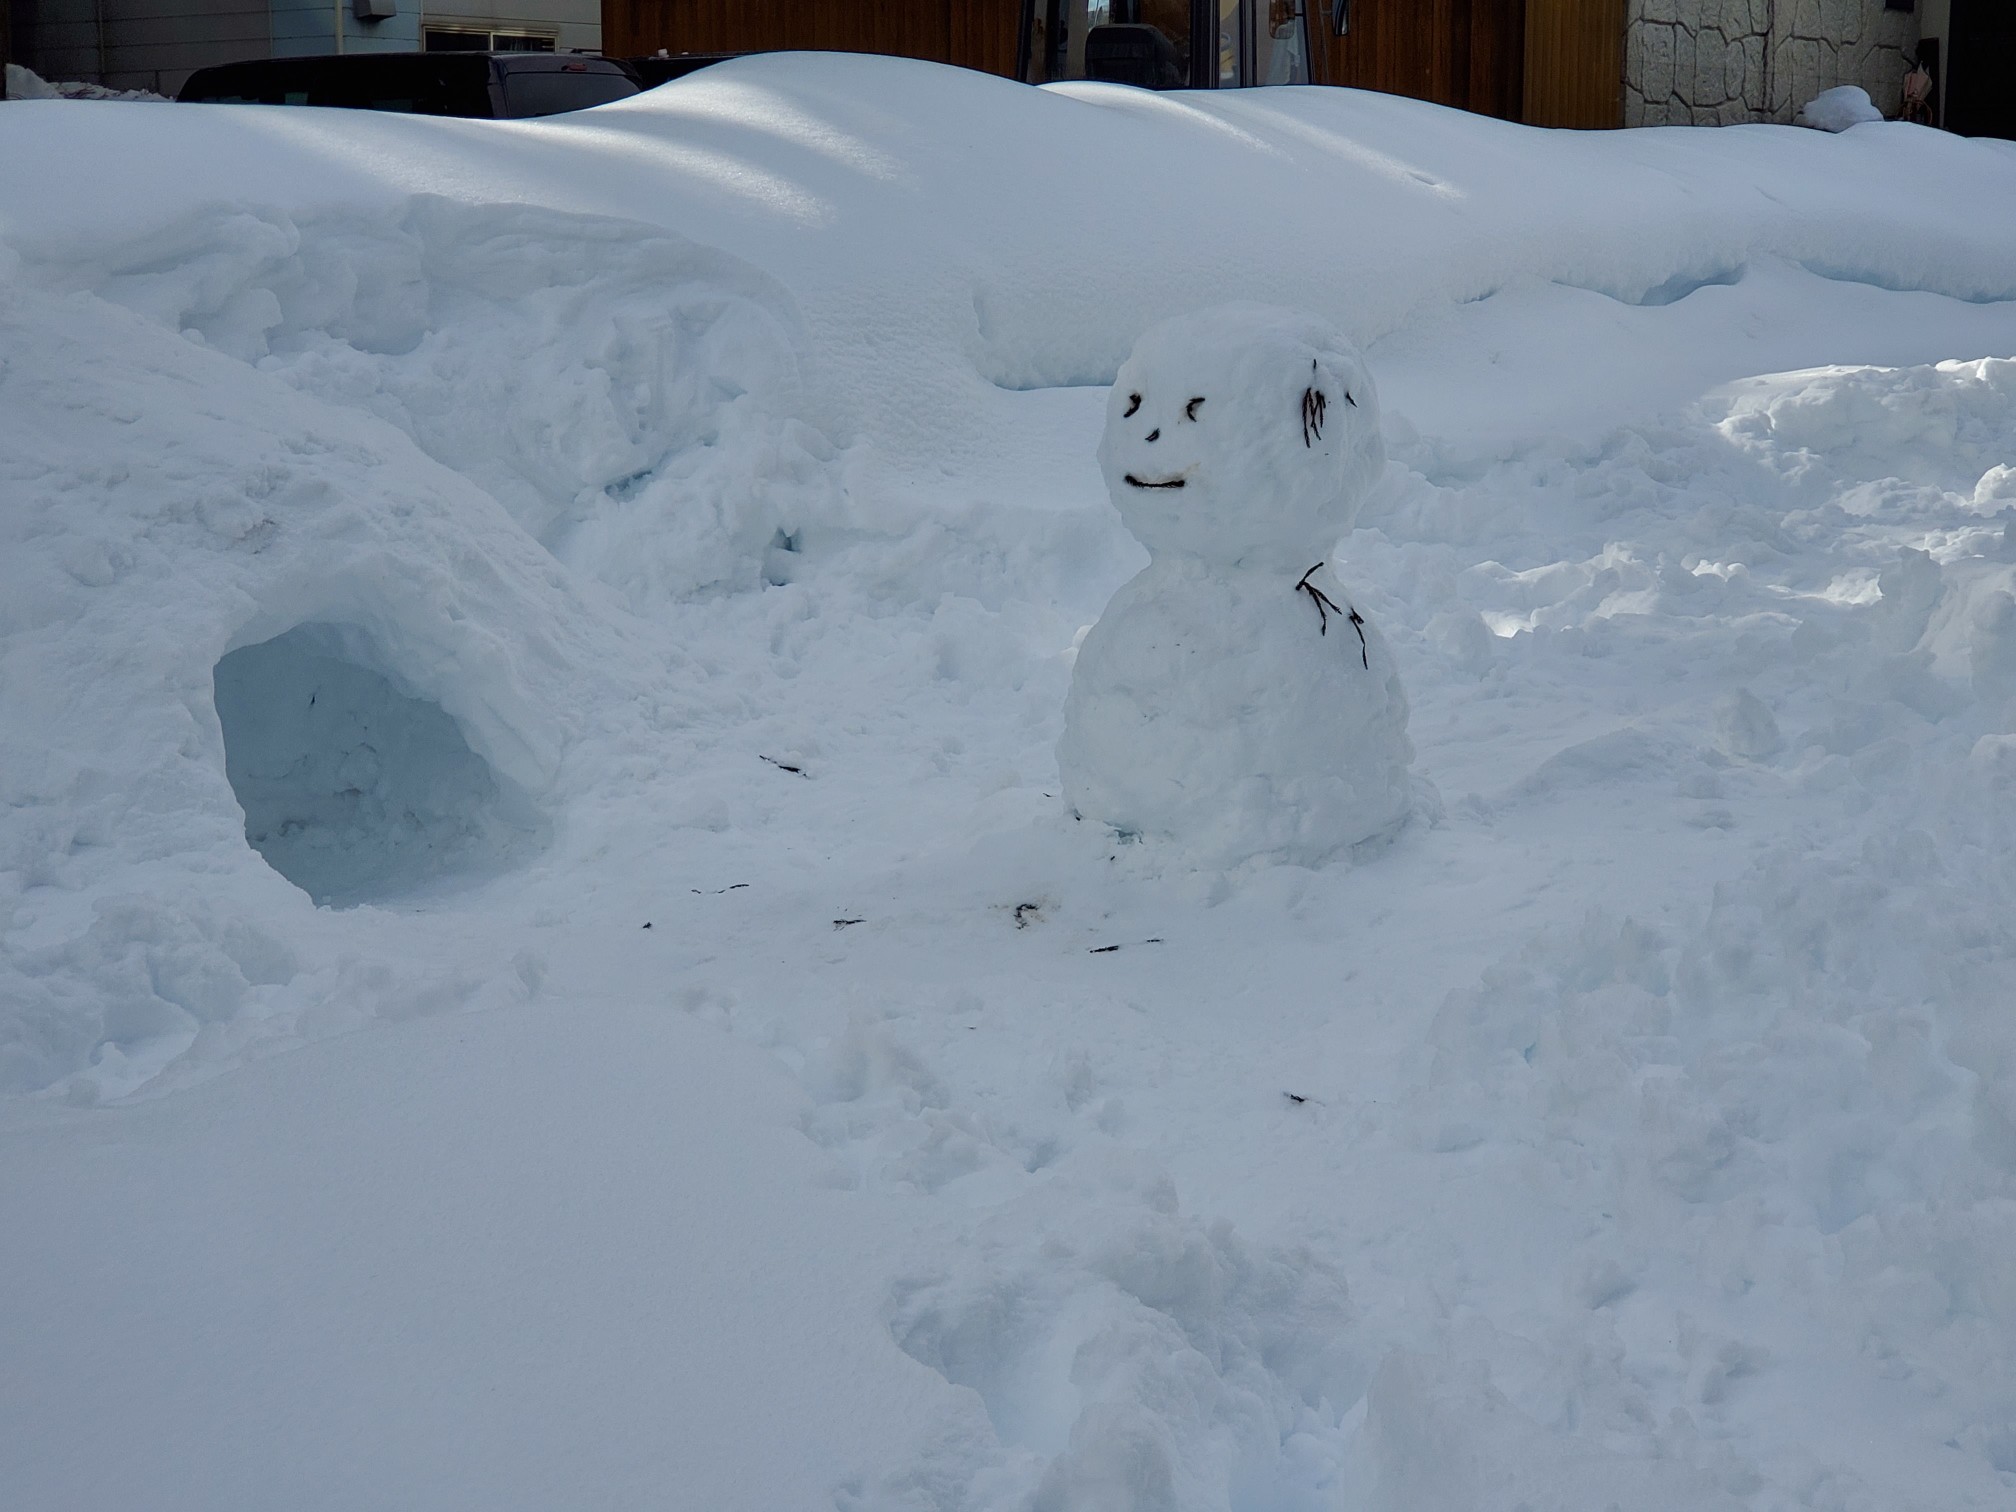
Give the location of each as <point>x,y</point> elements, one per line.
<point>693,506</point>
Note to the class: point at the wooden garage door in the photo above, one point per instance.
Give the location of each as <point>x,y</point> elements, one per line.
<point>1466,53</point>
<point>975,33</point>
<point>1575,63</point>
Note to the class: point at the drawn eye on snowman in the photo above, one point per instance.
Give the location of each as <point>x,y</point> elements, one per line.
<point>1133,404</point>
<point>1190,409</point>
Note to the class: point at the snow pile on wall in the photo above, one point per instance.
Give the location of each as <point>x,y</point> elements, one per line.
<point>1839,108</point>
<point>26,84</point>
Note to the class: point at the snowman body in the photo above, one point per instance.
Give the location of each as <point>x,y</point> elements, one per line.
<point>1231,701</point>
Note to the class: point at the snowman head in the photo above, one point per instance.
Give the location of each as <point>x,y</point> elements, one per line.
<point>1243,435</point>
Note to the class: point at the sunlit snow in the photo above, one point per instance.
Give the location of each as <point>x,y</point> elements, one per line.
<point>545,961</point>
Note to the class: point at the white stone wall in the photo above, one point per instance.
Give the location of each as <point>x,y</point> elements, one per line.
<point>1714,62</point>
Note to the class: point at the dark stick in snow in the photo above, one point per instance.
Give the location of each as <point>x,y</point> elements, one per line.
<point>1326,606</point>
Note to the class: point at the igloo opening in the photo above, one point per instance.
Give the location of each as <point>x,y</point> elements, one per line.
<point>355,789</point>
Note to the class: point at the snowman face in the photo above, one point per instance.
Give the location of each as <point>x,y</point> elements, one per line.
<point>1243,436</point>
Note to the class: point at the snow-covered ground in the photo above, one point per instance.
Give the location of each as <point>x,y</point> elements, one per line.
<point>625,570</point>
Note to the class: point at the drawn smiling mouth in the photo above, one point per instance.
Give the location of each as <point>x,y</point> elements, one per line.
<point>1176,482</point>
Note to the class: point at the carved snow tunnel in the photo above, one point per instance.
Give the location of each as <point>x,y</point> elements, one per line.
<point>356,789</point>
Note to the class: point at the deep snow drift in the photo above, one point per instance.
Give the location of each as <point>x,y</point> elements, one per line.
<point>682,515</point>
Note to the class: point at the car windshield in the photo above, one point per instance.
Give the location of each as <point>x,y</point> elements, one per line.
<point>551,92</point>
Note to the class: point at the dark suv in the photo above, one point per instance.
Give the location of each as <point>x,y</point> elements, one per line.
<point>495,86</point>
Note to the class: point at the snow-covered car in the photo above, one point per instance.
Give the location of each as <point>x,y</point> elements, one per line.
<point>491,86</point>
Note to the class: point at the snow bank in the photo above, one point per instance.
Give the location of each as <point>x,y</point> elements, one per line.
<point>232,613</point>
<point>320,511</point>
<point>585,372</point>
<point>26,84</point>
<point>944,232</point>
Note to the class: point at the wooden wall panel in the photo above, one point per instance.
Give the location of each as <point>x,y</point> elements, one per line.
<point>983,35</point>
<point>975,33</point>
<point>1498,59</point>
<point>1575,63</point>
<point>1466,53</point>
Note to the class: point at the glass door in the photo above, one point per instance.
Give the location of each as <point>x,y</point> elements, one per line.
<point>1142,42</point>
<point>1276,41</point>
<point>1166,44</point>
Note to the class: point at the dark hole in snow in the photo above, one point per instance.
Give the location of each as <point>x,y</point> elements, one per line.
<point>353,789</point>
<point>777,567</point>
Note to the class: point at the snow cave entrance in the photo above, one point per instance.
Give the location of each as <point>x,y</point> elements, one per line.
<point>355,789</point>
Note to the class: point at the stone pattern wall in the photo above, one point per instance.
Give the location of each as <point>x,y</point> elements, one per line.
<point>1715,62</point>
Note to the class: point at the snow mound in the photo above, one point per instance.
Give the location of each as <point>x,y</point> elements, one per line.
<point>943,244</point>
<point>228,611</point>
<point>26,84</point>
<point>1146,1361</point>
<point>629,396</point>
<point>1937,428</point>
<point>358,475</point>
<point>1839,108</point>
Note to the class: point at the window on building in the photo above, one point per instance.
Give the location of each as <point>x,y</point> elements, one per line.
<point>467,39</point>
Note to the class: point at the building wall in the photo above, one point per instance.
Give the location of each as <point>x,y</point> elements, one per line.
<point>307,28</point>
<point>1466,53</point>
<point>1715,62</point>
<point>1574,63</point>
<point>573,24</point>
<point>157,44</point>
<point>971,33</point>
<point>137,44</point>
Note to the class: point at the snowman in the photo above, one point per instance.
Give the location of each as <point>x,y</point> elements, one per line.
<point>1231,701</point>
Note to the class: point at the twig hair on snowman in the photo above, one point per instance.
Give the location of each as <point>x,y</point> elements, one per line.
<point>1231,703</point>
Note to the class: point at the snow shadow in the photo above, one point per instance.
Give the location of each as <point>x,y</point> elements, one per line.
<point>355,788</point>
